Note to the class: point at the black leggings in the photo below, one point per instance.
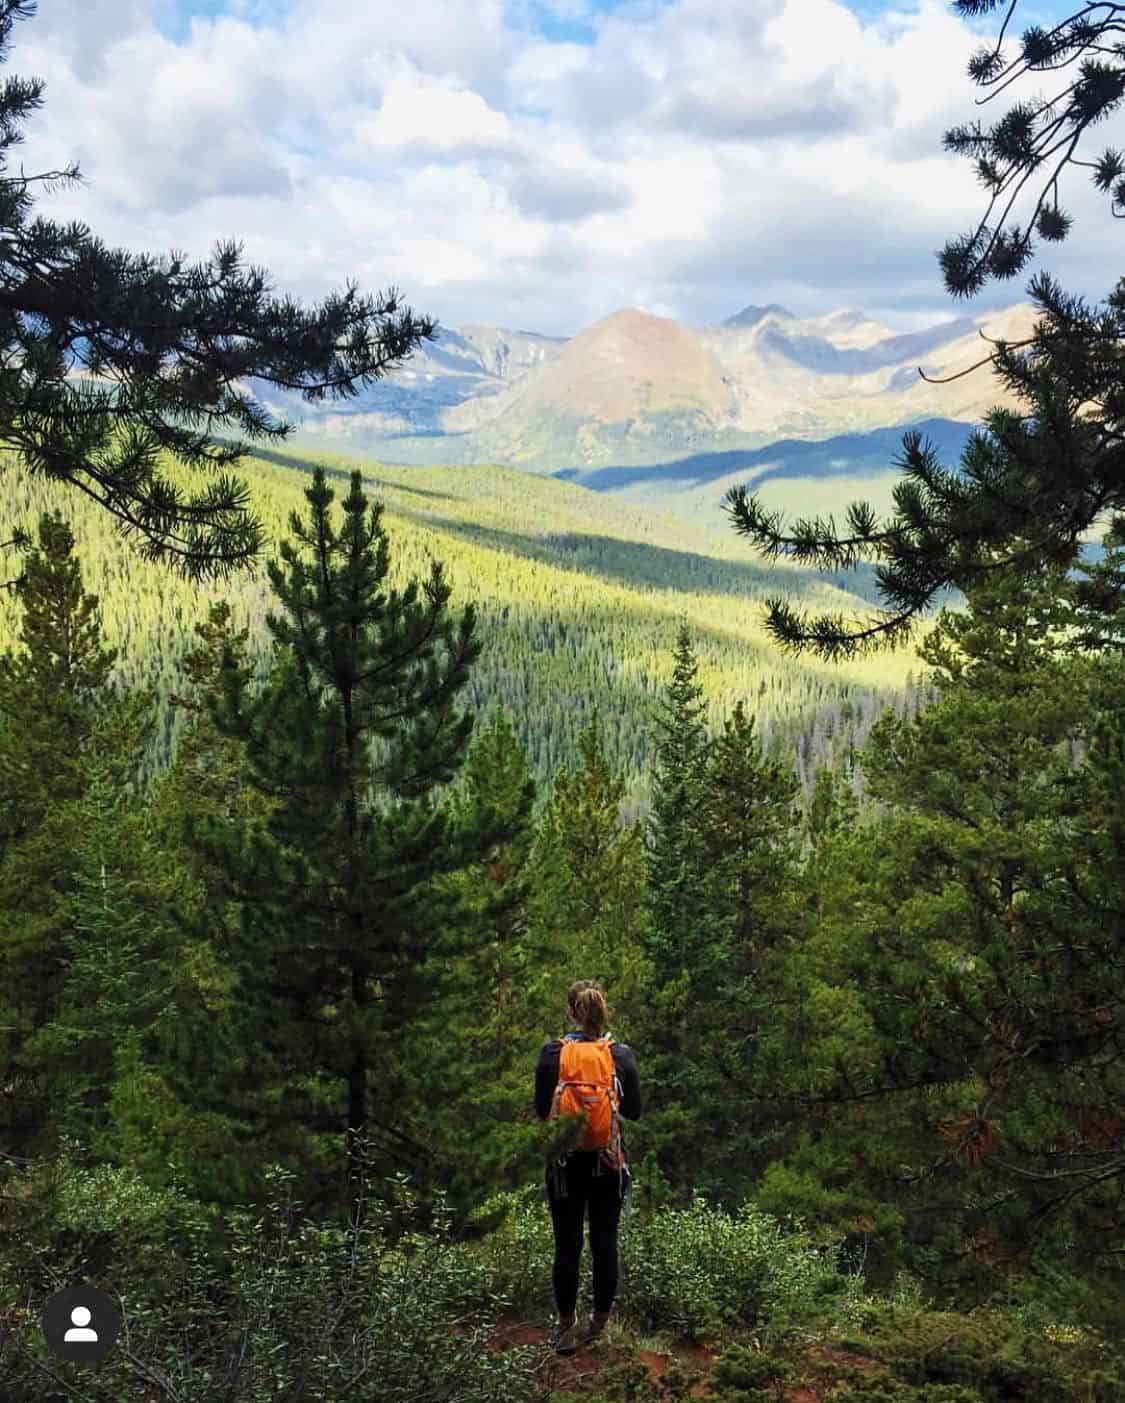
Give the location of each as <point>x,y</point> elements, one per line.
<point>603,1195</point>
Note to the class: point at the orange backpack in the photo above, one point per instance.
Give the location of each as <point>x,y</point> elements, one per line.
<point>588,1086</point>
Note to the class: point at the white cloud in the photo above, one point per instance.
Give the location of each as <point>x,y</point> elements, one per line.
<point>84,31</point>
<point>699,155</point>
<point>424,114</point>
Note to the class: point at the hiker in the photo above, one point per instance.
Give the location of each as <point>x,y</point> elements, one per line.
<point>586,1071</point>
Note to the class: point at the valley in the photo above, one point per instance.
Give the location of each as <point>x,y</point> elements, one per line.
<point>580,594</point>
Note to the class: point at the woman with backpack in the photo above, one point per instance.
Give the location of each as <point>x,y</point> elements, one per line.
<point>586,1072</point>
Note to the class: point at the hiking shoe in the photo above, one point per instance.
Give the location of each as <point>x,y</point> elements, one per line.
<point>566,1337</point>
<point>597,1323</point>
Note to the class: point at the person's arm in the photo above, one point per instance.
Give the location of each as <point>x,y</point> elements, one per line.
<point>630,1081</point>
<point>546,1077</point>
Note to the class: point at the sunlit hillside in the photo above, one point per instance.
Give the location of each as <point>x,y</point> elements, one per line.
<point>579,598</point>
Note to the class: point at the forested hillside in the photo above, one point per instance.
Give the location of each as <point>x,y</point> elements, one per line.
<point>579,597</point>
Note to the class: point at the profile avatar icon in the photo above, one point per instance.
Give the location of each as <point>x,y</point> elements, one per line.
<point>79,1327</point>
<point>81,1323</point>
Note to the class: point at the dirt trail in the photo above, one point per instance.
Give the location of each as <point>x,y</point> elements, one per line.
<point>586,1370</point>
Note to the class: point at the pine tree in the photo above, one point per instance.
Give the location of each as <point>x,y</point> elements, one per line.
<point>748,836</point>
<point>958,1003</point>
<point>187,1101</point>
<point>587,877</point>
<point>676,930</point>
<point>116,960</point>
<point>474,1041</point>
<point>671,849</point>
<point>63,662</point>
<point>747,914</point>
<point>114,360</point>
<point>64,723</point>
<point>343,923</point>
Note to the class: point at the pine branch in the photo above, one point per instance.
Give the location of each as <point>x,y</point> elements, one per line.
<point>114,361</point>
<point>1028,489</point>
<point>1016,148</point>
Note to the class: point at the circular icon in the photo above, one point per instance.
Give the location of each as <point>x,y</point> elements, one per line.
<point>81,1323</point>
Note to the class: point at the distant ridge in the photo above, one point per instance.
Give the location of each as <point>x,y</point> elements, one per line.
<point>635,388</point>
<point>751,316</point>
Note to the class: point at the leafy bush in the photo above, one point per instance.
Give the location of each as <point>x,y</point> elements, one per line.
<point>693,1270</point>
<point>513,1263</point>
<point>296,1310</point>
<point>700,1269</point>
<point>68,1221</point>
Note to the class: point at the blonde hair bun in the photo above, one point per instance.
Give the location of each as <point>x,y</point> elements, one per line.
<point>587,1002</point>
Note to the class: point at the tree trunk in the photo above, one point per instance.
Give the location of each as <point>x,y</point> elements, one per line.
<point>360,971</point>
<point>357,1083</point>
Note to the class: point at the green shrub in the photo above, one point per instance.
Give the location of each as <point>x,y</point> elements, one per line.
<point>513,1263</point>
<point>295,1310</point>
<point>698,1270</point>
<point>1047,1294</point>
<point>692,1270</point>
<point>747,1375</point>
<point>990,1355</point>
<point>894,1391</point>
<point>67,1220</point>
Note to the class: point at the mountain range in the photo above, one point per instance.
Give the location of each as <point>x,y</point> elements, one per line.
<point>633,389</point>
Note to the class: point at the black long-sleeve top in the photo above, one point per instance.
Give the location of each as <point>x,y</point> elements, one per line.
<point>547,1076</point>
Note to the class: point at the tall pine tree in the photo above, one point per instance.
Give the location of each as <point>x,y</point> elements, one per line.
<point>187,1100</point>
<point>473,1042</point>
<point>672,848</point>
<point>343,925</point>
<point>676,926</point>
<point>64,723</point>
<point>587,871</point>
<point>749,836</point>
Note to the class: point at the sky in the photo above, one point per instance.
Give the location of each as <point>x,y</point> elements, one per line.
<point>539,164</point>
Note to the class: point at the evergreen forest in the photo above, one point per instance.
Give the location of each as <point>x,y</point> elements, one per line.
<point>323,781</point>
<point>580,599</point>
<point>287,917</point>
